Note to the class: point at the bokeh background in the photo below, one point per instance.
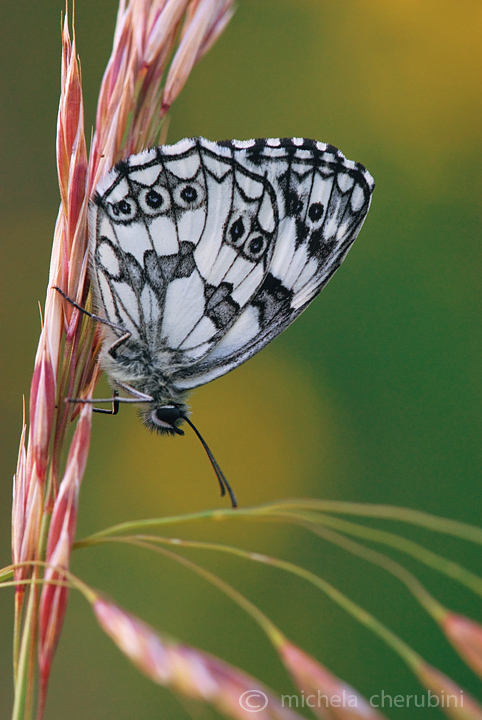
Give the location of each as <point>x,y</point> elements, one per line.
<point>373,395</point>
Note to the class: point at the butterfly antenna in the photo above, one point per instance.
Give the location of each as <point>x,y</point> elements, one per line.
<point>223,483</point>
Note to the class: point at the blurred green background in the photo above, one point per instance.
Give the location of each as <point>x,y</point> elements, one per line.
<point>373,395</point>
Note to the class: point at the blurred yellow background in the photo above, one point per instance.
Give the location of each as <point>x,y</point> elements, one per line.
<point>373,395</point>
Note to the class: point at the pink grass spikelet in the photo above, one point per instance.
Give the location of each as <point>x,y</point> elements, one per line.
<point>226,11</point>
<point>453,701</point>
<point>466,636</point>
<point>29,546</point>
<point>53,601</point>
<point>206,23</point>
<point>189,671</point>
<point>19,498</point>
<point>327,696</point>
<point>42,409</point>
<point>163,28</point>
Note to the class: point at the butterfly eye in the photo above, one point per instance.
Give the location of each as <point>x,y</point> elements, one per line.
<point>188,196</point>
<point>125,209</point>
<point>166,418</point>
<point>315,212</point>
<point>255,247</point>
<point>236,232</point>
<point>155,200</point>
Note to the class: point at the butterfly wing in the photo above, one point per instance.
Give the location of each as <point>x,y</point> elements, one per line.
<point>322,200</point>
<point>183,236</point>
<point>206,251</point>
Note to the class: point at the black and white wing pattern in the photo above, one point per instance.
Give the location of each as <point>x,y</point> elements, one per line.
<point>205,251</point>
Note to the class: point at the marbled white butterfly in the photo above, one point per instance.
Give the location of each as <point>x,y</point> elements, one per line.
<point>202,252</point>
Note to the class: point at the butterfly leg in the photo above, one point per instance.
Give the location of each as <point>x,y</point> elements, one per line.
<point>138,395</point>
<point>116,400</point>
<point>115,406</point>
<point>126,333</point>
<point>120,341</point>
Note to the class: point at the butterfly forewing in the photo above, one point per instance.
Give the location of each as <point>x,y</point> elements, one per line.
<point>206,251</point>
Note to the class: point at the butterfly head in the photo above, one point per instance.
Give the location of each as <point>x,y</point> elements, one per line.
<point>165,419</point>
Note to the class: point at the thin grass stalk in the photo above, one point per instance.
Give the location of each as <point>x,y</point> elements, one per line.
<point>464,635</point>
<point>339,700</point>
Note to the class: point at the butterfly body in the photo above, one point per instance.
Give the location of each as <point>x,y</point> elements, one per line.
<point>203,252</point>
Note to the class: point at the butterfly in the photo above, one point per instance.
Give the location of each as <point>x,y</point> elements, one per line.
<point>203,252</point>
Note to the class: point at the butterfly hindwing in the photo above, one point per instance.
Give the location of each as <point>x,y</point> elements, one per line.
<point>206,251</point>
<point>322,202</point>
